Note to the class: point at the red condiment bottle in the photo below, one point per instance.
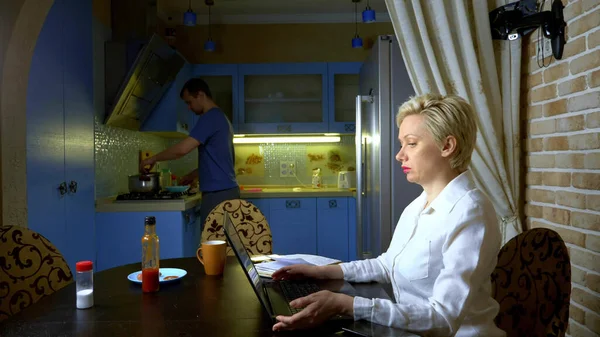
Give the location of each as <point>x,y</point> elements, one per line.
<point>150,256</point>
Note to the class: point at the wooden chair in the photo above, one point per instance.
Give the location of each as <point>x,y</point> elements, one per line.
<point>30,268</point>
<point>532,283</point>
<point>249,222</point>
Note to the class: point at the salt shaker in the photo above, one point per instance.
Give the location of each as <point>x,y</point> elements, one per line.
<point>84,284</point>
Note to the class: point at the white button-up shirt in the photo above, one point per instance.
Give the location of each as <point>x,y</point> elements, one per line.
<point>439,263</point>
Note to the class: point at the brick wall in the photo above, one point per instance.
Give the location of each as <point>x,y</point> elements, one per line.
<point>561,108</point>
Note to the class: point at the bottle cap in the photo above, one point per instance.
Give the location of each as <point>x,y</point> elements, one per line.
<point>150,220</point>
<point>84,266</point>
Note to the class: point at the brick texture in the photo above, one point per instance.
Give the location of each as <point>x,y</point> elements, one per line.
<point>561,153</point>
<point>594,79</point>
<point>574,85</point>
<point>573,123</point>
<point>583,102</point>
<point>585,62</point>
<point>592,120</point>
<point>554,73</point>
<point>584,23</point>
<point>543,93</point>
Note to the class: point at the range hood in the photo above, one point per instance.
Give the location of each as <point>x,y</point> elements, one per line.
<point>149,76</point>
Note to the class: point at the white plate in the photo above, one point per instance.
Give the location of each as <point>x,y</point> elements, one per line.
<point>164,272</point>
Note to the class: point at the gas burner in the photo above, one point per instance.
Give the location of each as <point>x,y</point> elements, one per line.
<point>163,195</point>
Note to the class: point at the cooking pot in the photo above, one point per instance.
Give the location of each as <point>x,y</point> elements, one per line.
<point>146,182</point>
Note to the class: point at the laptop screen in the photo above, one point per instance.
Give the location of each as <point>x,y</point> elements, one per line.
<point>244,258</point>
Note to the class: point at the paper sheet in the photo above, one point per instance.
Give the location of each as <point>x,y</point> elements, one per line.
<point>266,269</point>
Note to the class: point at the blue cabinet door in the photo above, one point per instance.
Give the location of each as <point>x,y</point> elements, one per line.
<point>342,86</point>
<point>283,98</point>
<point>293,222</point>
<point>332,228</point>
<point>192,231</point>
<point>79,131</point>
<point>222,79</point>
<point>60,131</point>
<point>119,235</point>
<point>264,205</point>
<point>45,132</point>
<point>352,247</point>
<point>171,115</point>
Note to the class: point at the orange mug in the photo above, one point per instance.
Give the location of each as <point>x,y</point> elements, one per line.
<point>213,254</point>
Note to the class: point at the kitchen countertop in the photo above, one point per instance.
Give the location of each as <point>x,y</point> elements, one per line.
<point>176,205</point>
<point>288,192</point>
<point>179,205</point>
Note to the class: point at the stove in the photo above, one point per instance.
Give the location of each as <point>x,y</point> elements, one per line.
<point>153,196</point>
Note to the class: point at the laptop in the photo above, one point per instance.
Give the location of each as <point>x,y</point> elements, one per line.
<point>274,296</point>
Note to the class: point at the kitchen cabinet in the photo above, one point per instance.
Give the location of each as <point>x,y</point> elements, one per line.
<point>343,87</point>
<point>283,98</point>
<point>264,205</point>
<point>60,131</point>
<point>332,228</point>
<point>222,79</point>
<point>294,226</point>
<point>119,234</point>
<point>171,117</point>
<point>324,226</point>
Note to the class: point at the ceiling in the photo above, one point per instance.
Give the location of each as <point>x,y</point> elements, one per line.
<point>270,11</point>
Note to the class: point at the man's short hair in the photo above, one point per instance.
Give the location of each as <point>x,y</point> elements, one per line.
<point>194,86</point>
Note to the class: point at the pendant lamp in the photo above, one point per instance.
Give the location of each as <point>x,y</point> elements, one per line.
<point>189,17</point>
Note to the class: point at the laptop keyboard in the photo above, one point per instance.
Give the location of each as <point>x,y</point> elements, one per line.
<point>294,289</point>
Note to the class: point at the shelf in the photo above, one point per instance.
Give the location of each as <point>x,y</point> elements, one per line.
<point>282,100</point>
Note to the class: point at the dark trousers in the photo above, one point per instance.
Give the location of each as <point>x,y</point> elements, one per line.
<point>211,199</point>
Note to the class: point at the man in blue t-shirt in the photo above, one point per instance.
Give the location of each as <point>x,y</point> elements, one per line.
<point>213,137</point>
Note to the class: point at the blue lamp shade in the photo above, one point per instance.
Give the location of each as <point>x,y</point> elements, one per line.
<point>368,15</point>
<point>189,18</point>
<point>210,45</point>
<point>357,42</point>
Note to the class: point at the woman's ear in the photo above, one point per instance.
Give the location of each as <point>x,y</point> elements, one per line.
<point>449,146</point>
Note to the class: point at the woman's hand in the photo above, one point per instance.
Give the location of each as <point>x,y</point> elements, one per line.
<point>318,307</point>
<point>297,272</point>
<point>303,271</point>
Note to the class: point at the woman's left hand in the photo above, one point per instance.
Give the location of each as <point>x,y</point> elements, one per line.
<point>318,307</point>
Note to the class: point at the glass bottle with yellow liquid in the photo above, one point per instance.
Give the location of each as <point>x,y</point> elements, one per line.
<point>150,256</point>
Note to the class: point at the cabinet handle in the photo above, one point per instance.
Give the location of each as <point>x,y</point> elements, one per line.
<point>187,218</point>
<point>350,127</point>
<point>292,204</point>
<point>284,128</point>
<point>62,188</point>
<point>73,186</point>
<point>332,203</point>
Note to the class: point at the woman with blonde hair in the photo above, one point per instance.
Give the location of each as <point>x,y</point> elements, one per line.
<point>444,247</point>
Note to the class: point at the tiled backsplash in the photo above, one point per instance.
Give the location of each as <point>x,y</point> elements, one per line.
<point>259,164</point>
<point>117,157</point>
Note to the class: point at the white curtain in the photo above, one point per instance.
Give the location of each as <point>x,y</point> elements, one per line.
<point>448,48</point>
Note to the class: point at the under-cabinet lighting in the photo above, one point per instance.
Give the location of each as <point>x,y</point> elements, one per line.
<point>241,139</point>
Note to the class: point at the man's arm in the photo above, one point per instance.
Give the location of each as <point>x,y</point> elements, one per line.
<point>174,152</point>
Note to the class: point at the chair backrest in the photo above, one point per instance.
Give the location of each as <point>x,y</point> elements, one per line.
<point>30,268</point>
<point>532,283</point>
<point>249,221</point>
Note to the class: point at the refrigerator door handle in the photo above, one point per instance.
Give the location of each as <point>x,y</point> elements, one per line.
<point>360,146</point>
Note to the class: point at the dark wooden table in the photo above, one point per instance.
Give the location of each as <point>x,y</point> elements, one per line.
<point>196,305</point>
